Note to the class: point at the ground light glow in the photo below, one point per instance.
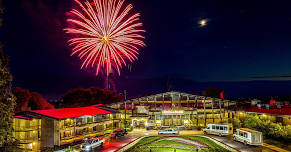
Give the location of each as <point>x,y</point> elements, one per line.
<point>105,35</point>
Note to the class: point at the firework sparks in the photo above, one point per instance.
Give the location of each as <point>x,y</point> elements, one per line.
<point>105,35</point>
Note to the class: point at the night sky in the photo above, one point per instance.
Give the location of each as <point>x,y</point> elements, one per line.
<point>243,41</point>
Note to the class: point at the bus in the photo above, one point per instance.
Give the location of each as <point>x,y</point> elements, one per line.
<point>219,129</point>
<point>248,136</point>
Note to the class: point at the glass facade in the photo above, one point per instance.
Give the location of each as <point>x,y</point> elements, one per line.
<point>36,133</point>
<point>73,129</point>
<point>27,131</point>
<point>174,109</point>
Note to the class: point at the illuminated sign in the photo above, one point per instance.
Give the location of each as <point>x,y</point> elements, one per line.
<point>142,109</point>
<point>173,112</point>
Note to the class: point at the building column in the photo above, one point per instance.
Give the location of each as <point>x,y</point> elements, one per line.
<point>181,120</point>
<point>220,110</point>
<point>163,102</point>
<point>180,101</point>
<point>155,100</point>
<point>212,110</point>
<point>125,122</point>
<point>204,105</point>
<point>188,102</point>
<point>75,123</point>
<point>197,116</point>
<point>132,108</point>
<point>171,101</point>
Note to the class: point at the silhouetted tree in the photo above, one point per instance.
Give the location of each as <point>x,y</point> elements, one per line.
<point>212,92</point>
<point>22,99</point>
<point>26,101</point>
<point>90,96</point>
<point>145,94</point>
<point>195,93</point>
<point>7,100</point>
<point>37,102</point>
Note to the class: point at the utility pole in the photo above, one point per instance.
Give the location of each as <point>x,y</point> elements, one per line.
<point>125,122</point>
<point>124,94</point>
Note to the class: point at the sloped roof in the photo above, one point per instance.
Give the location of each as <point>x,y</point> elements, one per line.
<point>111,110</point>
<point>170,93</point>
<point>71,112</point>
<point>24,116</point>
<point>248,130</point>
<point>281,111</point>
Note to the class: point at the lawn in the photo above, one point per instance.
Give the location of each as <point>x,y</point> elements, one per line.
<point>176,144</point>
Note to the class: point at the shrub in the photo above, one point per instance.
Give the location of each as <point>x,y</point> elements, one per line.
<point>268,128</point>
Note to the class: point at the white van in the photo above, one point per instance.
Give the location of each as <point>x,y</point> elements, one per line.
<point>248,136</point>
<point>218,129</point>
<point>169,131</point>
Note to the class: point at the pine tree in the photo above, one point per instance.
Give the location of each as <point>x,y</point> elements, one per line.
<point>7,100</point>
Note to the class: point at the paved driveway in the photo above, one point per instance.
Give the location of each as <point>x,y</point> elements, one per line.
<point>240,146</point>
<point>114,145</point>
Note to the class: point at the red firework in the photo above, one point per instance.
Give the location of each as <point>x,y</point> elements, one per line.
<point>105,35</point>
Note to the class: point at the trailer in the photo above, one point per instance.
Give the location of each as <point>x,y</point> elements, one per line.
<point>248,136</point>
<point>219,129</point>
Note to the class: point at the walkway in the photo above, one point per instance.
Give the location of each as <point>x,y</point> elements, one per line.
<point>274,148</point>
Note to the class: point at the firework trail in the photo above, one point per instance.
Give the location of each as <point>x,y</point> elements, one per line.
<point>105,35</point>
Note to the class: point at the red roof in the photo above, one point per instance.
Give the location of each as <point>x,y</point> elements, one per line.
<point>21,117</point>
<point>282,111</point>
<point>71,112</point>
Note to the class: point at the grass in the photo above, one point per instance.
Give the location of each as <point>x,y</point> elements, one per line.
<point>206,141</point>
<point>145,140</point>
<point>213,146</point>
<point>160,150</point>
<point>168,142</point>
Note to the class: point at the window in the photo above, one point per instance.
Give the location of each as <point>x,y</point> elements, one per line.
<point>225,128</point>
<point>217,127</point>
<point>241,133</point>
<point>221,127</point>
<point>213,127</point>
<point>95,128</point>
<point>245,135</point>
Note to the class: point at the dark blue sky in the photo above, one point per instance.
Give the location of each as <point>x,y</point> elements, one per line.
<point>243,41</point>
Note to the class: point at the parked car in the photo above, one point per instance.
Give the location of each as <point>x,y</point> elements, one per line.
<point>118,133</point>
<point>248,136</point>
<point>218,129</point>
<point>92,143</point>
<point>123,131</point>
<point>169,131</point>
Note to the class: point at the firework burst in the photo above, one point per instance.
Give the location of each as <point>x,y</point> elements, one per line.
<point>105,35</point>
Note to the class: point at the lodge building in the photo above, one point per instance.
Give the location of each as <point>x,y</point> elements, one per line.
<point>174,109</point>
<point>57,127</point>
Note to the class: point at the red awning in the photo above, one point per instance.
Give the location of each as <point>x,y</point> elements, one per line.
<point>71,112</point>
